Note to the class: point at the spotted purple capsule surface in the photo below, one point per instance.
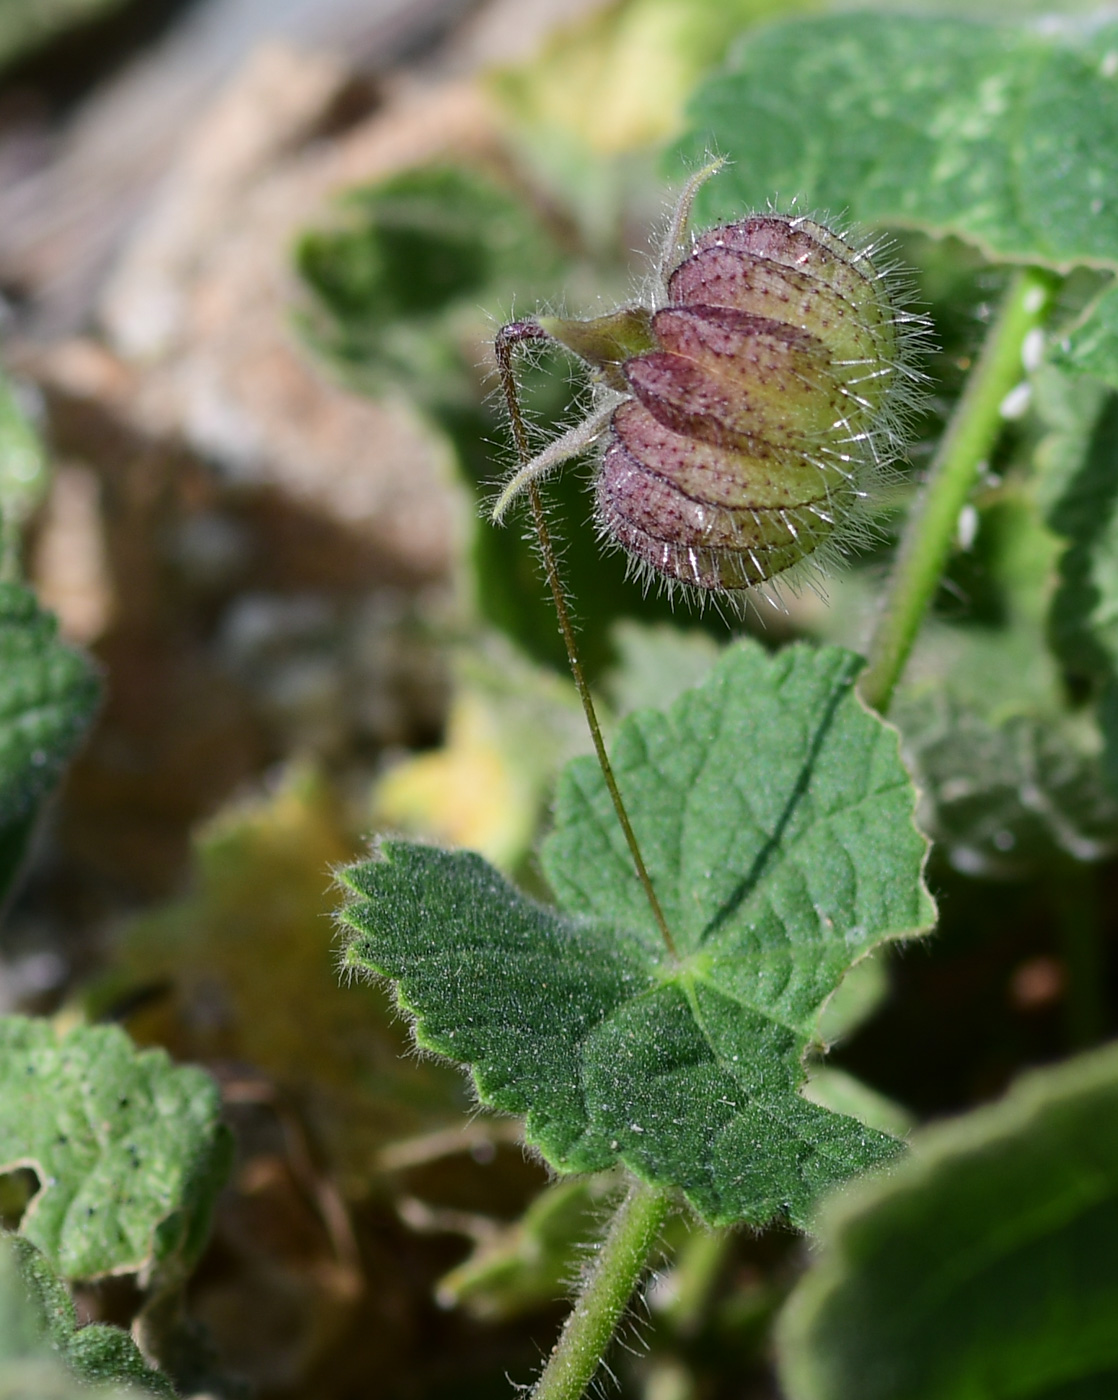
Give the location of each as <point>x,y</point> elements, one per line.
<point>758,401</point>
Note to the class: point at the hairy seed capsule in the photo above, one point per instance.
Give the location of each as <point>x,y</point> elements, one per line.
<point>746,417</point>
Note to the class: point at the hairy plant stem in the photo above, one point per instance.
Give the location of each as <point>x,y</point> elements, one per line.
<point>509,336</point>
<point>966,447</point>
<point>635,1227</point>
<point>621,1259</point>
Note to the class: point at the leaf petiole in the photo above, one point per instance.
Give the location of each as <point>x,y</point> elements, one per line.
<point>589,1327</point>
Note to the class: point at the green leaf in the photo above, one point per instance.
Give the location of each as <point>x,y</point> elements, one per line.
<point>400,280</point>
<point>129,1149</point>
<point>1091,345</point>
<point>1006,136</point>
<point>985,1264</point>
<point>859,994</point>
<point>775,819</point>
<point>41,1342</point>
<point>1088,343</point>
<point>104,1355</point>
<point>831,1087</point>
<point>23,471</point>
<point>1003,800</point>
<point>32,1301</point>
<point>616,80</point>
<point>1079,484</point>
<point>48,693</point>
<point>1068,407</point>
<point>1085,608</point>
<point>656,662</point>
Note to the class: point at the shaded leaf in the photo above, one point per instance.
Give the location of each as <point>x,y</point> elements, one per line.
<point>1005,136</point>
<point>48,693</point>
<point>1091,345</point>
<point>986,1263</point>
<point>1010,782</point>
<point>988,646</point>
<point>1003,799</point>
<point>401,277</point>
<point>1085,608</point>
<point>776,822</point>
<point>129,1149</point>
<point>1068,407</point>
<point>1082,490</point>
<point>42,1344</point>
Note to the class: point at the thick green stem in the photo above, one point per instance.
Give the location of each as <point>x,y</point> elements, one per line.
<point>966,447</point>
<point>621,1259</point>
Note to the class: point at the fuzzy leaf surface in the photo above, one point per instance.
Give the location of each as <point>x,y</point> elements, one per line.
<point>986,1264</point>
<point>129,1148</point>
<point>40,1322</point>
<point>1005,136</point>
<point>776,821</point>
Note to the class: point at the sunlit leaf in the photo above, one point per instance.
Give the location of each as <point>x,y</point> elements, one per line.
<point>1004,135</point>
<point>129,1149</point>
<point>776,822</point>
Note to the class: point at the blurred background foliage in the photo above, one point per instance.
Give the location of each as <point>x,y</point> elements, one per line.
<point>249,294</point>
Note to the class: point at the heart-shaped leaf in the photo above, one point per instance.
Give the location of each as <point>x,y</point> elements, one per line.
<point>776,822</point>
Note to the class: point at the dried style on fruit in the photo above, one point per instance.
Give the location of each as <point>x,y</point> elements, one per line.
<point>747,414</point>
